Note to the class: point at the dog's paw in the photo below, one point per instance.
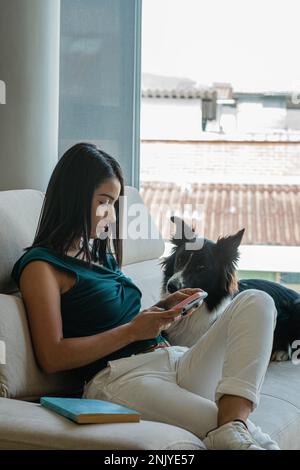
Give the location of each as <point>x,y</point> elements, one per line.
<point>279,356</point>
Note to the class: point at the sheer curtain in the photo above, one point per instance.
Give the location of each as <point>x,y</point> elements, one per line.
<point>100,78</point>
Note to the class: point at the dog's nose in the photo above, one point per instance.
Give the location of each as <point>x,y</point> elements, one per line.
<point>172,286</point>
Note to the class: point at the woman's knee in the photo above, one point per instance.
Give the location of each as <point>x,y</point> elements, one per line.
<point>259,302</point>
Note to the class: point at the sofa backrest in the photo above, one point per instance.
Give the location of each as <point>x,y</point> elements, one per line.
<point>19,215</point>
<point>139,249</point>
<point>20,376</point>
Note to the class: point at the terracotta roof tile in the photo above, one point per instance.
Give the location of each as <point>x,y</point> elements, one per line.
<point>187,93</point>
<point>270,213</point>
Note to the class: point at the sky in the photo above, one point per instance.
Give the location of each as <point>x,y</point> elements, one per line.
<point>253,44</point>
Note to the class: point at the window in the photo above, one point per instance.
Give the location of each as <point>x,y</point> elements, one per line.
<point>99,78</point>
<point>220,123</point>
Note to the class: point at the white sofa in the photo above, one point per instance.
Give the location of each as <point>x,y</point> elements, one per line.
<point>24,424</point>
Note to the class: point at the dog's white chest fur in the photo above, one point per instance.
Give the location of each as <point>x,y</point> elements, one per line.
<point>187,330</point>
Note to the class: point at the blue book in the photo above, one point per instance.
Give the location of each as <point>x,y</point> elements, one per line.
<point>84,410</point>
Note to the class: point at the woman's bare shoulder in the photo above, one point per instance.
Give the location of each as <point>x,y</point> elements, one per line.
<point>41,273</point>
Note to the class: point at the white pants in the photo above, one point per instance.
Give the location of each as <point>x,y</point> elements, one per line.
<point>180,385</point>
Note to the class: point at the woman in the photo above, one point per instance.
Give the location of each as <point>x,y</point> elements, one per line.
<point>84,314</point>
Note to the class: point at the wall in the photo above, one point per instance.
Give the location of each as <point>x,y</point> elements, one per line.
<point>171,119</point>
<point>29,65</point>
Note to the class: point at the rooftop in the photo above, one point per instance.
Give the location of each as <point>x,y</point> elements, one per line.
<point>181,93</point>
<point>157,86</point>
<point>269,213</point>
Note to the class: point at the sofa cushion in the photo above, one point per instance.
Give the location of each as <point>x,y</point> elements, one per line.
<point>27,426</point>
<point>143,246</point>
<point>147,275</point>
<point>19,215</point>
<point>278,413</point>
<point>20,376</point>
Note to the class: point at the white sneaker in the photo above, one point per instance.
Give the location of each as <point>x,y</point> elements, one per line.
<point>262,438</point>
<point>231,436</point>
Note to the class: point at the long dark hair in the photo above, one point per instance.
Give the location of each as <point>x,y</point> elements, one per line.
<point>66,211</point>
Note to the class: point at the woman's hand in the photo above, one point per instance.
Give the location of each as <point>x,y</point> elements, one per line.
<point>177,297</point>
<point>150,322</point>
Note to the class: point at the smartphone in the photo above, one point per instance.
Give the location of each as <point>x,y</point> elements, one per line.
<point>192,301</point>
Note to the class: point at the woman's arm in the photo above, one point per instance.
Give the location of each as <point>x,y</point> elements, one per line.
<point>40,288</point>
<point>76,352</point>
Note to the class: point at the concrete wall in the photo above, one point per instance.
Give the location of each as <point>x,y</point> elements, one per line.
<point>29,66</point>
<point>167,118</point>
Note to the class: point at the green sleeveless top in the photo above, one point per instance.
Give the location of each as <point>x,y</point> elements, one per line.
<point>101,299</point>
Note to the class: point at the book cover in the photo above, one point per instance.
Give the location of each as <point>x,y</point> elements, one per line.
<point>84,411</point>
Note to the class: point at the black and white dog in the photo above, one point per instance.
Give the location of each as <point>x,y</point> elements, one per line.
<point>213,269</point>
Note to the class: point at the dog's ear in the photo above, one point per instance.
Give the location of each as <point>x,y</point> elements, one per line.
<point>183,232</point>
<point>227,247</point>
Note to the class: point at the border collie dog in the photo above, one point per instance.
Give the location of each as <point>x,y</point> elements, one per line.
<point>213,269</point>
